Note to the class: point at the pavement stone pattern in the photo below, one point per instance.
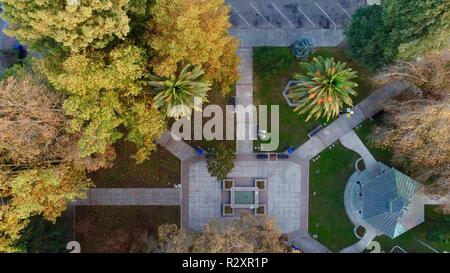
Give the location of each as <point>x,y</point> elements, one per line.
<point>131,197</point>
<point>283,192</point>
<point>354,143</point>
<point>204,197</point>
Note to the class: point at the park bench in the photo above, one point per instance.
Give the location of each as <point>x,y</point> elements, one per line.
<point>283,156</point>
<point>262,156</point>
<point>316,130</point>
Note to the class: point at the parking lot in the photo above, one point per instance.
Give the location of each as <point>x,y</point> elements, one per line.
<point>325,14</point>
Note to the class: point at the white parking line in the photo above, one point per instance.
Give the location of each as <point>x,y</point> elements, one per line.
<point>284,16</point>
<point>306,16</point>
<point>349,16</point>
<point>260,13</point>
<point>237,12</point>
<point>326,14</point>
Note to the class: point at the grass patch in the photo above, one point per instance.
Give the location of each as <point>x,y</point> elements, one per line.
<point>274,67</point>
<point>115,228</point>
<point>435,222</point>
<point>214,98</point>
<point>161,170</point>
<point>327,216</point>
<point>363,131</point>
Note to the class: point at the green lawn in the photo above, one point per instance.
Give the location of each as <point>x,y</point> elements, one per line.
<point>116,228</point>
<point>162,169</point>
<point>327,216</point>
<point>215,97</point>
<point>273,68</point>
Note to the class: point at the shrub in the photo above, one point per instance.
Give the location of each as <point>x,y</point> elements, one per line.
<point>43,236</point>
<point>369,39</point>
<point>302,48</point>
<point>222,162</point>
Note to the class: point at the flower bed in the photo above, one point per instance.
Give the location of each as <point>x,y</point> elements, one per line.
<point>227,184</point>
<point>261,210</point>
<point>227,210</point>
<point>260,184</point>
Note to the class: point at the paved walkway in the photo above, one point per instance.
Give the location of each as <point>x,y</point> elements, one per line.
<point>354,143</point>
<point>131,197</point>
<point>340,127</point>
<point>286,37</point>
<point>180,149</point>
<point>284,191</point>
<point>244,97</point>
<point>362,244</point>
<point>308,244</point>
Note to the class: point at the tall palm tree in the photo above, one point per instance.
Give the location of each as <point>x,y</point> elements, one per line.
<point>324,88</point>
<point>178,95</point>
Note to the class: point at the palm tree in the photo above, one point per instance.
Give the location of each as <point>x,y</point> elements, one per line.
<point>324,88</point>
<point>178,95</point>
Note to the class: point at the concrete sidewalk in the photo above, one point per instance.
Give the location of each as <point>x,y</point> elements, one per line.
<point>131,197</point>
<point>180,149</point>
<point>364,110</point>
<point>351,141</point>
<point>244,97</point>
<point>362,244</point>
<point>282,37</point>
<point>308,244</point>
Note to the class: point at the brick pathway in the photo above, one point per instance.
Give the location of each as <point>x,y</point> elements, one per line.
<point>131,197</point>
<point>284,191</point>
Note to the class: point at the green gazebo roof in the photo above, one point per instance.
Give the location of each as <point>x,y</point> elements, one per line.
<point>391,203</point>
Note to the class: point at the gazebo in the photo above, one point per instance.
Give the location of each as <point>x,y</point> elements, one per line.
<point>387,200</point>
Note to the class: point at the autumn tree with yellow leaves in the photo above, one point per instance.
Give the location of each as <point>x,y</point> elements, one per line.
<point>248,234</point>
<point>193,32</point>
<point>90,87</point>
<point>74,24</point>
<point>416,126</point>
<point>40,167</point>
<point>106,90</point>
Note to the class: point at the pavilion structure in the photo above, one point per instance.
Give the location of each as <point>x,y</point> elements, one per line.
<point>386,200</point>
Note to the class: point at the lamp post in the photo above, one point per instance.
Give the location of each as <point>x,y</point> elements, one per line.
<point>348,111</point>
